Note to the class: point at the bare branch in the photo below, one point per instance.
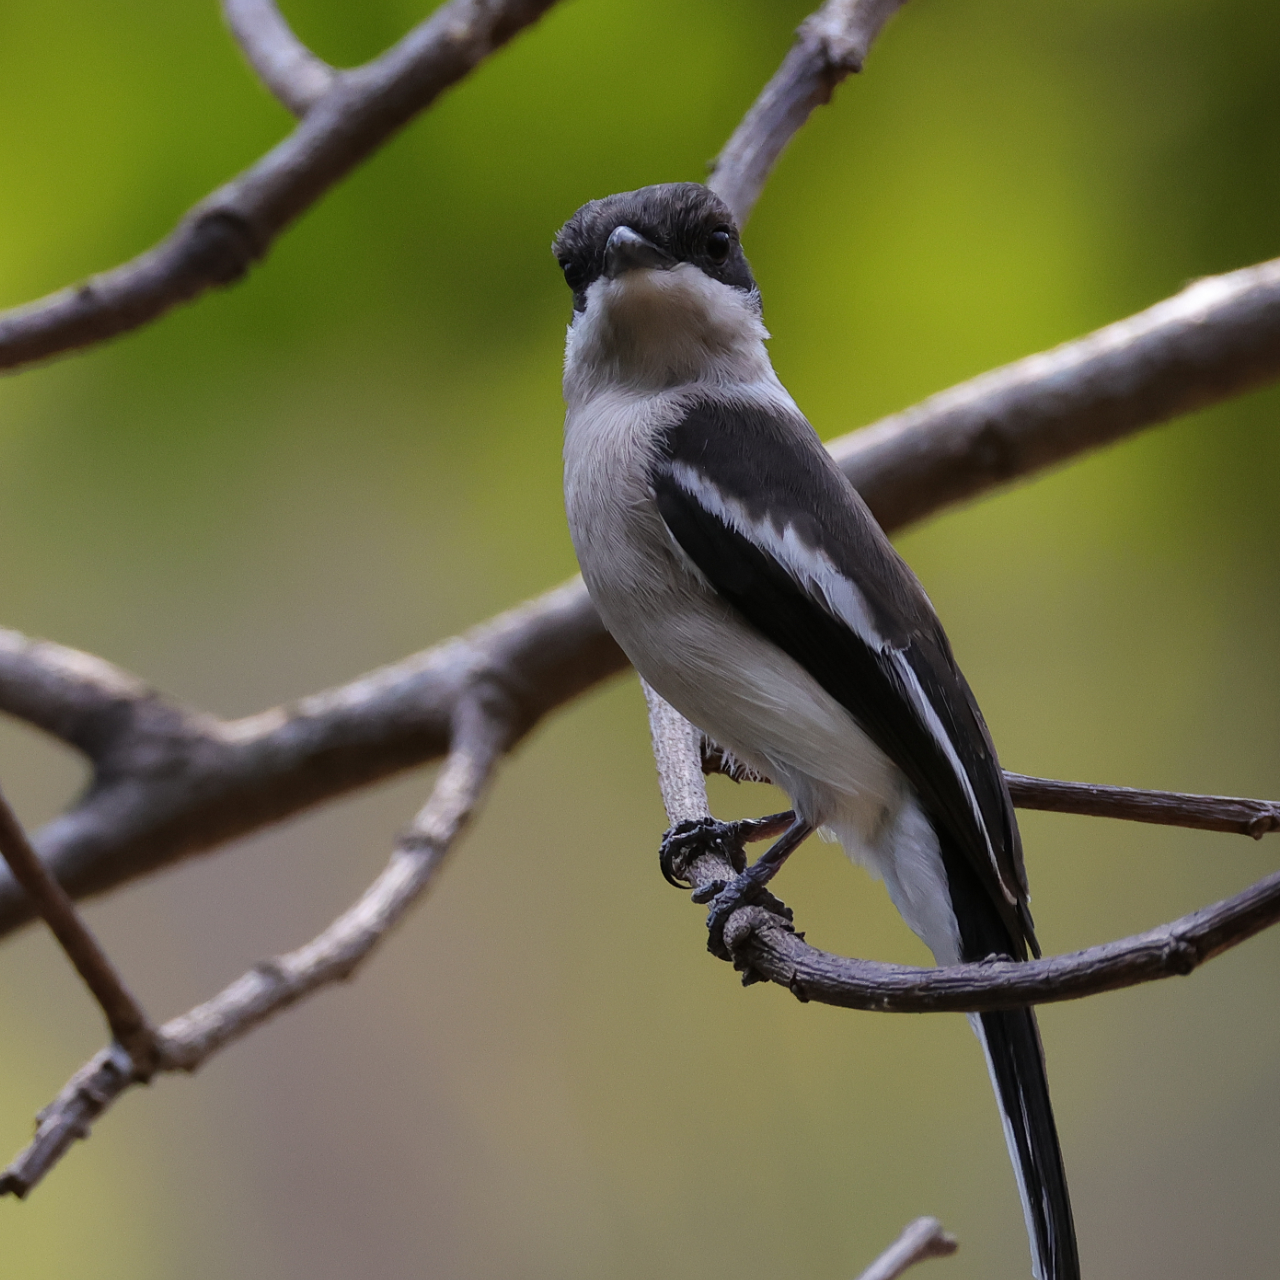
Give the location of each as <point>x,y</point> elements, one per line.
<point>1254,818</point>
<point>830,44</point>
<point>222,236</point>
<point>125,1018</point>
<point>764,947</point>
<point>765,950</point>
<point>169,782</point>
<point>481,733</point>
<point>286,66</point>
<point>1217,338</point>
<point>920,1240</point>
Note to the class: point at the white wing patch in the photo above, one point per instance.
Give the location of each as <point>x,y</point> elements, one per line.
<point>817,575</point>
<point>812,570</point>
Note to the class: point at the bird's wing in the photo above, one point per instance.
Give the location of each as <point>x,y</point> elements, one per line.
<point>757,504</point>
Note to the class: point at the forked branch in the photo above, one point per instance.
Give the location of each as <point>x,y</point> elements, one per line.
<point>481,733</point>
<point>283,63</point>
<point>128,1024</point>
<point>222,236</point>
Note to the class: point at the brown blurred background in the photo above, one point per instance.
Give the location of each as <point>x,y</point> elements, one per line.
<point>356,453</point>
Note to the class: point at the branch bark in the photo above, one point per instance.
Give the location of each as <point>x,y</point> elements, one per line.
<point>128,1023</point>
<point>1254,818</point>
<point>830,45</point>
<point>920,1240</point>
<point>222,236</point>
<point>481,733</point>
<point>1218,338</point>
<point>1244,817</point>
<point>283,63</point>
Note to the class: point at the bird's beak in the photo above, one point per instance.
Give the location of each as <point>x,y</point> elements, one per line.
<point>627,250</point>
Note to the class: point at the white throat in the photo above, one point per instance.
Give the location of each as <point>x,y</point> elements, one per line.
<point>650,330</point>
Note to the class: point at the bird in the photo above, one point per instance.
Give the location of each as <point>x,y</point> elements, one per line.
<point>751,587</point>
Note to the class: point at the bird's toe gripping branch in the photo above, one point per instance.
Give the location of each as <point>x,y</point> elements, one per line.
<point>699,838</point>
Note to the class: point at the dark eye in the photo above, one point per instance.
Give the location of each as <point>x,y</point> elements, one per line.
<point>719,242</point>
<point>572,274</point>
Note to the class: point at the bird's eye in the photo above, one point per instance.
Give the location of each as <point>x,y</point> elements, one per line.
<point>572,274</point>
<point>719,242</point>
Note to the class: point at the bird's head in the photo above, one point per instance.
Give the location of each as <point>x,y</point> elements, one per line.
<point>661,288</point>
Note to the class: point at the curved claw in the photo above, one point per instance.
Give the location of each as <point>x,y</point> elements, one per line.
<point>687,840</point>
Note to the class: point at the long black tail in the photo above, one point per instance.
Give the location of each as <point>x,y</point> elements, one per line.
<point>1016,1062</point>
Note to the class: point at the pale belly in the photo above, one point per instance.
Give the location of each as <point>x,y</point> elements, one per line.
<point>739,688</point>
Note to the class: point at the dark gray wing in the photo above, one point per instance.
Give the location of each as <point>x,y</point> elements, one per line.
<point>761,509</point>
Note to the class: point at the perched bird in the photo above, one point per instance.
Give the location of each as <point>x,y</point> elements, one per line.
<point>749,584</point>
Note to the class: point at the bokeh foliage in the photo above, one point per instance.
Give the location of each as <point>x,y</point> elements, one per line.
<point>355,453</point>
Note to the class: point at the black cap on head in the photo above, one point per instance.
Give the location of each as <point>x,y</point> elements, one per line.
<point>685,220</point>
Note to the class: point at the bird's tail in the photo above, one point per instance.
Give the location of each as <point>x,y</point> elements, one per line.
<point>1011,1041</point>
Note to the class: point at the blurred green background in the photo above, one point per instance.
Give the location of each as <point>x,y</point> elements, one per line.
<point>356,453</point>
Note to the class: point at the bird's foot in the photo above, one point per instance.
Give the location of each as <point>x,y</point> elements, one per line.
<point>688,841</point>
<point>747,889</point>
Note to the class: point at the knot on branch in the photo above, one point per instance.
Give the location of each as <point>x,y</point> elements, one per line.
<point>1263,824</point>
<point>993,452</point>
<point>753,924</point>
<point>223,245</point>
<point>1179,956</point>
<point>840,54</point>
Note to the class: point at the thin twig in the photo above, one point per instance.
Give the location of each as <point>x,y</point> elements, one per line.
<point>481,734</point>
<point>920,1240</point>
<point>284,64</point>
<point>830,44</point>
<point>1236,814</point>
<point>125,1017</point>
<point>1254,818</point>
<point>222,236</point>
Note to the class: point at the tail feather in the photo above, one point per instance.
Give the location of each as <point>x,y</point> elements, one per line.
<point>1011,1041</point>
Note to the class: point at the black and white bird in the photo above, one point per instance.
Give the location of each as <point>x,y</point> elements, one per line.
<point>751,587</point>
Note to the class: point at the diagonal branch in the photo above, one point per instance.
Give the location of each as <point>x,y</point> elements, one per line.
<point>481,734</point>
<point>920,1240</point>
<point>222,236</point>
<point>169,782</point>
<point>1218,338</point>
<point>830,44</point>
<point>128,1023</point>
<point>284,64</point>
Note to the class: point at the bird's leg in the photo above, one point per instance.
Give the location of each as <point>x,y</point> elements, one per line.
<point>749,885</point>
<point>686,842</point>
